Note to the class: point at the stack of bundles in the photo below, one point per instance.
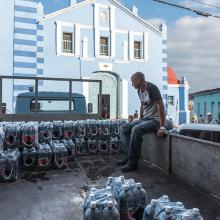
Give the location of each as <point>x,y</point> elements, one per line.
<point>101,200</point>
<point>92,136</point>
<point>44,152</point>
<point>80,137</point>
<point>59,151</point>
<point>128,198</point>
<point>9,159</point>
<point>131,197</point>
<point>163,209</point>
<point>68,135</point>
<point>40,146</point>
<point>28,144</point>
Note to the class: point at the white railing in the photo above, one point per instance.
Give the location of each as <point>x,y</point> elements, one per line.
<point>67,46</point>
<point>137,53</point>
<point>104,49</point>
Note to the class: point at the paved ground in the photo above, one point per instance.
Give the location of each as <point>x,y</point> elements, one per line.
<point>59,195</point>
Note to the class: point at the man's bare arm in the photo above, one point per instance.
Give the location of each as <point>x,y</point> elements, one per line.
<point>162,116</point>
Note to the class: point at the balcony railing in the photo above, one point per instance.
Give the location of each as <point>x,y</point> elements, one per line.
<point>104,49</point>
<point>67,46</point>
<point>137,53</point>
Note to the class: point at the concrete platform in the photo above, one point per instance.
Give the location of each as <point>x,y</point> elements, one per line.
<point>59,194</point>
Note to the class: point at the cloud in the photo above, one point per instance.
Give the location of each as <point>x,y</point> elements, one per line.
<point>156,22</point>
<point>194,51</point>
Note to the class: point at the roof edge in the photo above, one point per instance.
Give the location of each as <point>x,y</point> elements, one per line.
<point>86,2</point>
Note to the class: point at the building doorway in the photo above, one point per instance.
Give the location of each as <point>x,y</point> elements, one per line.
<point>111,90</point>
<point>105,106</point>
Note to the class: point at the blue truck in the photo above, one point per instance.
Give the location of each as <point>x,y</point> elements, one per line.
<point>51,102</point>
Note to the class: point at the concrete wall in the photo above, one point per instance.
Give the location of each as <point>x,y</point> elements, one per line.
<point>156,151</point>
<point>193,160</point>
<point>197,162</point>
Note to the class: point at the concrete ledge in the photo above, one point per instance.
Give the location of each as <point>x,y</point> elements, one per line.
<point>197,162</point>
<point>156,151</point>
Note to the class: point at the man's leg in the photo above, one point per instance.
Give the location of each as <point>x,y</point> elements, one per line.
<point>125,136</point>
<point>138,131</point>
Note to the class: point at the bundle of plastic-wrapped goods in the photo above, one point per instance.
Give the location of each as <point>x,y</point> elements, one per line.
<point>68,135</point>
<point>9,160</point>
<point>12,135</point>
<point>92,128</point>
<point>131,196</point>
<point>115,144</point>
<point>80,138</point>
<point>163,209</point>
<point>59,152</point>
<point>28,144</point>
<point>103,135</point>
<point>104,200</point>
<point>43,150</point>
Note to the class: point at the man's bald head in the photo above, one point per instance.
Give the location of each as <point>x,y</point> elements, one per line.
<point>137,80</point>
<point>138,75</point>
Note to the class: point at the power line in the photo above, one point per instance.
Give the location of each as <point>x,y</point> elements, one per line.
<point>214,6</point>
<point>202,13</point>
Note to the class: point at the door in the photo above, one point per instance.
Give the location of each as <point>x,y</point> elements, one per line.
<point>105,106</point>
<point>110,91</point>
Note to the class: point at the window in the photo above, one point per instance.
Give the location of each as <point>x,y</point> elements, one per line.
<point>67,43</point>
<point>137,50</point>
<point>170,100</point>
<point>104,46</point>
<point>52,105</point>
<point>198,108</point>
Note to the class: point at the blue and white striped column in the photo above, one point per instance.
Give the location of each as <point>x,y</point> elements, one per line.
<point>163,29</point>
<point>28,46</point>
<point>40,42</point>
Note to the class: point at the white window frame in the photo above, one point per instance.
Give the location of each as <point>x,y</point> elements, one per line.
<point>137,52</point>
<point>67,43</point>
<point>104,48</point>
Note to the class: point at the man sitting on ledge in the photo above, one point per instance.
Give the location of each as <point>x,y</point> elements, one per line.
<point>152,119</point>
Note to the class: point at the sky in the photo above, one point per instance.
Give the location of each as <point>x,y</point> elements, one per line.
<point>193,40</point>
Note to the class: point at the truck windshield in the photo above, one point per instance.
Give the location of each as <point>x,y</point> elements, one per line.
<point>52,105</point>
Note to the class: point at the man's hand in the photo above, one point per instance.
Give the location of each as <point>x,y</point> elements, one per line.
<point>161,132</point>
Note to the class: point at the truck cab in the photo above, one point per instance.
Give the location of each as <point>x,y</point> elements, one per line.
<point>51,102</point>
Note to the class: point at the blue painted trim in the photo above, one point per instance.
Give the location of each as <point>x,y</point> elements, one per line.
<point>25,74</point>
<point>182,98</point>
<point>165,87</point>
<point>25,42</point>
<point>24,53</point>
<point>164,60</point>
<point>40,38</point>
<point>25,65</point>
<point>40,27</point>
<point>182,117</point>
<point>40,71</point>
<point>32,1</point>
<point>40,49</point>
<point>164,41</point>
<point>40,60</point>
<point>25,31</point>
<point>165,96</point>
<point>164,78</point>
<point>164,51</point>
<point>25,9</point>
<point>164,69</point>
<point>26,20</point>
<point>21,87</point>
